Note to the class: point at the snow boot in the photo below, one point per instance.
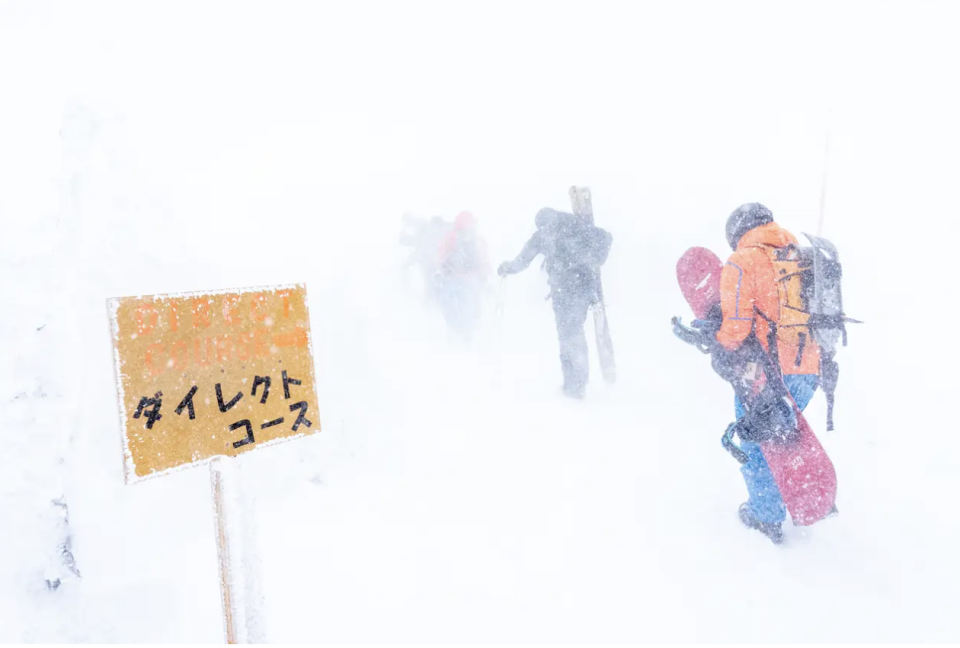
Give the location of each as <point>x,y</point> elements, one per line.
<point>774,531</point>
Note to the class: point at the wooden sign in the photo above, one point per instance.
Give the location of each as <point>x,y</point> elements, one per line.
<point>203,375</point>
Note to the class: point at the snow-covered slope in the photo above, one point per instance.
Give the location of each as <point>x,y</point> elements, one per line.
<point>452,494</point>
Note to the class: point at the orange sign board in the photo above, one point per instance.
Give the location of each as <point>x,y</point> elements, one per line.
<point>209,374</point>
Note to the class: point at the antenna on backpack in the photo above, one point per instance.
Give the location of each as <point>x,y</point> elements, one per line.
<point>823,181</point>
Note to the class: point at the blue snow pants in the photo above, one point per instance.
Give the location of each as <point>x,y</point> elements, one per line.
<point>461,300</point>
<point>765,502</point>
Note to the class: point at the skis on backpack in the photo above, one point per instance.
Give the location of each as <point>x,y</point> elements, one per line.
<point>803,472</point>
<point>582,204</point>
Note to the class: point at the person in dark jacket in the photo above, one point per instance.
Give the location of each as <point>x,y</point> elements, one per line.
<point>423,237</point>
<point>573,249</point>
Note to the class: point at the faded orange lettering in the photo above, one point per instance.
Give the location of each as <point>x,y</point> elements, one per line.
<point>174,316</point>
<point>201,312</point>
<point>146,318</point>
<point>224,344</point>
<point>261,343</point>
<point>209,348</point>
<point>231,309</point>
<point>285,294</point>
<point>148,359</point>
<point>242,345</point>
<point>298,338</point>
<point>178,353</point>
<point>256,308</point>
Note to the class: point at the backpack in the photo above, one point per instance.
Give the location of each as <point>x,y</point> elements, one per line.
<point>576,246</point>
<point>811,305</point>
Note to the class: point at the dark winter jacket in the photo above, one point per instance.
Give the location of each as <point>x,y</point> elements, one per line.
<point>424,238</point>
<point>573,251</point>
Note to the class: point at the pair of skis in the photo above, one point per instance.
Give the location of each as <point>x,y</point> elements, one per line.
<point>582,203</point>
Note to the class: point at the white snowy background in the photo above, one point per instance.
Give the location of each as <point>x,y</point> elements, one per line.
<point>155,147</point>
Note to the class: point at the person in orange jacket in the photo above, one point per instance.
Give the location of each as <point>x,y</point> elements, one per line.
<point>463,268</point>
<point>750,304</point>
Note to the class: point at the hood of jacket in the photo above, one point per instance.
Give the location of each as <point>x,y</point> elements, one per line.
<point>770,234</point>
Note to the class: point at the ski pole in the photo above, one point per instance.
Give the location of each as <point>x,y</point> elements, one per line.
<point>823,182</point>
<point>498,309</point>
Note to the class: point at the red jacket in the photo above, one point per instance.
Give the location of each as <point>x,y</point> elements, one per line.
<point>462,251</point>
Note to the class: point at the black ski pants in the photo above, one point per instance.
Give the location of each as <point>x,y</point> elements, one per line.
<point>570,310</point>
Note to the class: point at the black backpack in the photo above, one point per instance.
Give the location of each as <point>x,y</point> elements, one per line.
<point>822,297</point>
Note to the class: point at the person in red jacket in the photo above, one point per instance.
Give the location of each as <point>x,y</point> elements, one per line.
<point>463,268</point>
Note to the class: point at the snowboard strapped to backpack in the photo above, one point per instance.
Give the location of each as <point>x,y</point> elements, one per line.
<point>811,306</point>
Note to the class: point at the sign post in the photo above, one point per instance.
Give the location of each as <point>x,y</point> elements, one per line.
<point>208,375</point>
<point>223,551</point>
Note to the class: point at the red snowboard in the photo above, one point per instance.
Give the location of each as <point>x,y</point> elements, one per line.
<point>802,470</point>
<point>698,272</point>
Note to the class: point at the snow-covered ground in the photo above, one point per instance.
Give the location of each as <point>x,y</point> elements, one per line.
<point>452,494</point>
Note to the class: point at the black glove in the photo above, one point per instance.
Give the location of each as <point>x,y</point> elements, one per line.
<point>773,420</point>
<point>506,268</point>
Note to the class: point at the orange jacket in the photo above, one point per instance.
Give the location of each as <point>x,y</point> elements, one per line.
<point>747,284</point>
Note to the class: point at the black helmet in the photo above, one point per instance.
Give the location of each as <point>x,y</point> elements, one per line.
<point>545,217</point>
<point>744,219</point>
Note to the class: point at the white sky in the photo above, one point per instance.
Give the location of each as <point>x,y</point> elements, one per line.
<point>692,107</point>
<point>478,90</point>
